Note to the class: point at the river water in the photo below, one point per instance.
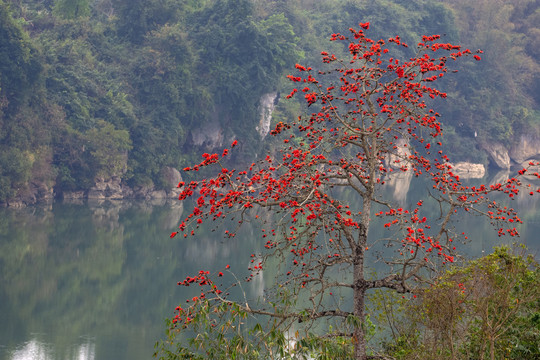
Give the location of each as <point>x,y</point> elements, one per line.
<point>96,280</point>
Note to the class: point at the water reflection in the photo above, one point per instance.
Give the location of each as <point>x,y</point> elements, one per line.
<point>36,350</point>
<point>96,280</point>
<point>104,271</point>
<point>33,350</point>
<point>400,184</point>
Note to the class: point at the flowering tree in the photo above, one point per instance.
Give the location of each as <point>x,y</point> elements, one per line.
<point>325,189</point>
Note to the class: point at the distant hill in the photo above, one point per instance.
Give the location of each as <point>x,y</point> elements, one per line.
<point>116,92</point>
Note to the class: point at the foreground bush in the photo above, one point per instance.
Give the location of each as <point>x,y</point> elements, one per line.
<point>488,309</point>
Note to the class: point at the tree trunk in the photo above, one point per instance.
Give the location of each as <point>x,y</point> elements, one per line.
<point>359,281</point>
<point>360,351</point>
<point>359,334</point>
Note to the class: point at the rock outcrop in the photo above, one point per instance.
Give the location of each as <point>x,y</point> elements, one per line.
<point>111,189</point>
<point>400,156</point>
<point>267,104</point>
<point>400,182</point>
<point>209,136</point>
<point>35,192</point>
<point>171,177</point>
<point>498,154</point>
<point>115,189</point>
<point>526,147</point>
<point>469,170</point>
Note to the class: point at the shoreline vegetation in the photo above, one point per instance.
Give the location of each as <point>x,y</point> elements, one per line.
<point>98,98</point>
<point>92,91</point>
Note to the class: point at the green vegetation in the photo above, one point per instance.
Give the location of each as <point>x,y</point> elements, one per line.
<point>166,72</point>
<point>487,309</point>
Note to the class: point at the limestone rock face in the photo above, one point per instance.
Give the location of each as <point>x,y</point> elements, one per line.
<point>33,193</point>
<point>469,170</point>
<point>143,191</point>
<point>15,204</point>
<point>209,136</point>
<point>400,183</point>
<point>498,154</point>
<point>526,147</point>
<point>43,192</point>
<point>108,189</point>
<point>158,194</point>
<point>171,177</point>
<point>267,104</point>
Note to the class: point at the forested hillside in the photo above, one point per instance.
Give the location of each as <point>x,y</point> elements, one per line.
<point>115,92</point>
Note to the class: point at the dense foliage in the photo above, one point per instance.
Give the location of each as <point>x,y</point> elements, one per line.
<point>170,73</point>
<point>487,309</point>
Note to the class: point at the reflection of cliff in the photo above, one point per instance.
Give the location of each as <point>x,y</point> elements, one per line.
<point>400,183</point>
<point>524,199</point>
<point>399,180</point>
<point>207,248</point>
<point>80,271</point>
<point>106,215</point>
<point>62,285</point>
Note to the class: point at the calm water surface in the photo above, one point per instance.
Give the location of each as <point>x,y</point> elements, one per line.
<point>96,280</point>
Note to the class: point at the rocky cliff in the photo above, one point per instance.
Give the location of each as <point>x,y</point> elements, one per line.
<point>524,147</point>
<point>113,188</point>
